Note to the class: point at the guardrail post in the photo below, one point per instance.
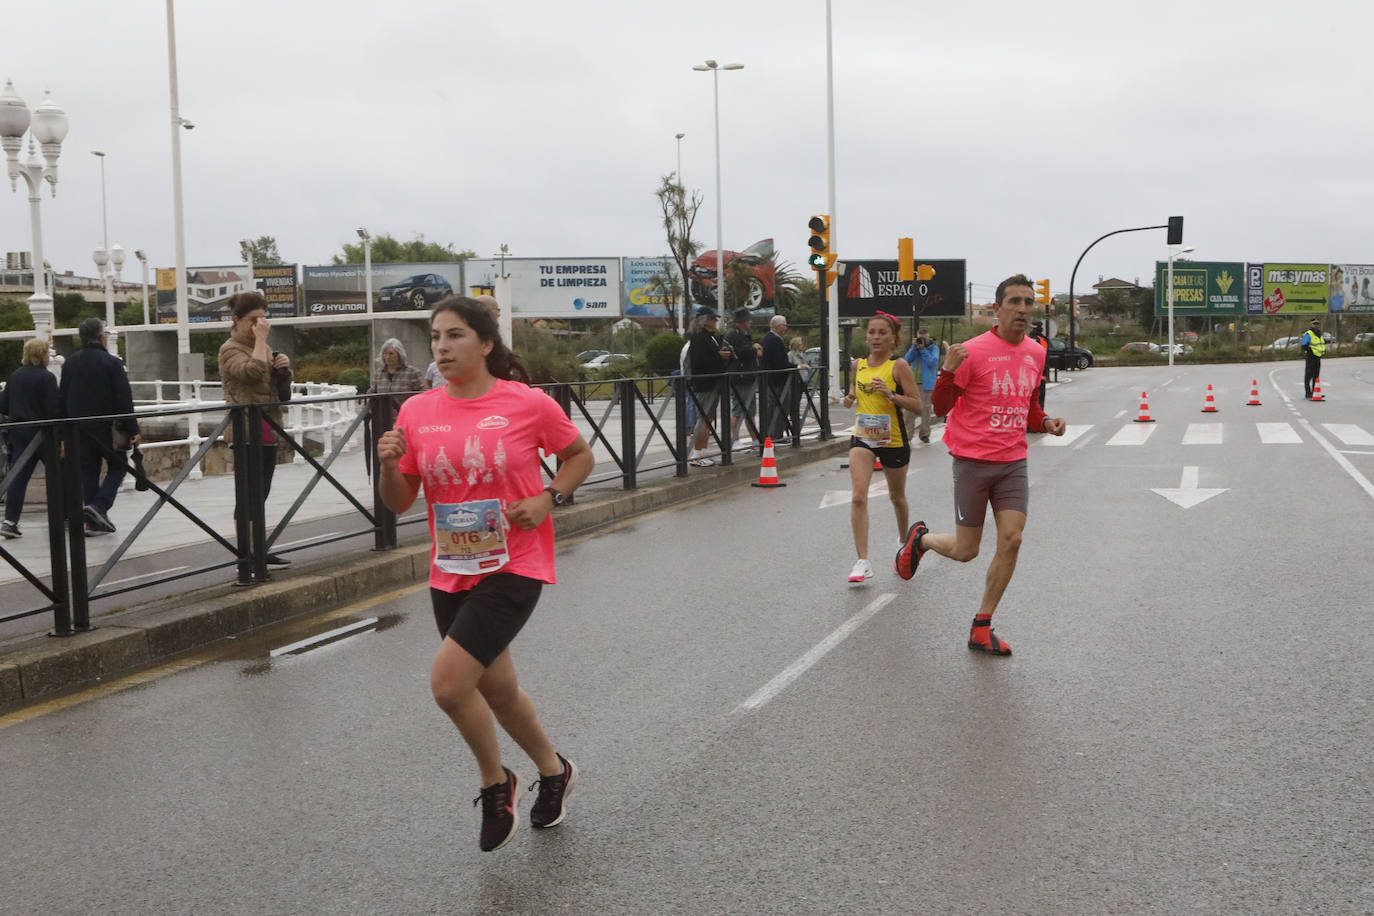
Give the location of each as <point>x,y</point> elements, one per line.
<point>625,392</point>
<point>824,394</point>
<point>74,511</point>
<point>57,541</point>
<point>727,447</point>
<point>378,421</point>
<point>680,423</point>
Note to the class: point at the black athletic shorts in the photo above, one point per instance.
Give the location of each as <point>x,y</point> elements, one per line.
<point>486,618</point>
<point>892,456</point>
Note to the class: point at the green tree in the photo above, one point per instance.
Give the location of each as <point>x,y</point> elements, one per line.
<point>260,251</point>
<point>387,250</point>
<point>679,210</point>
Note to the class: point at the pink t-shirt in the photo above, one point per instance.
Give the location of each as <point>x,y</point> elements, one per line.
<point>485,448</point>
<point>988,422</point>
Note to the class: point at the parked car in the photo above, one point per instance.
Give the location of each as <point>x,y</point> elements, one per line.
<point>587,356</point>
<point>605,361</point>
<point>1293,343</point>
<point>1059,355</point>
<point>1140,346</point>
<point>1364,338</point>
<point>416,292</point>
<point>701,275</point>
<point>1179,349</point>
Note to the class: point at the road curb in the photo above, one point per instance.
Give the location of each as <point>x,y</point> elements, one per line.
<point>38,668</point>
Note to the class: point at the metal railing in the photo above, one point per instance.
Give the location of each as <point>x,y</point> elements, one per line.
<point>626,428</point>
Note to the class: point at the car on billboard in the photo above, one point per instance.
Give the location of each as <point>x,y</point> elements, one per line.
<point>415,292</point>
<point>701,274</point>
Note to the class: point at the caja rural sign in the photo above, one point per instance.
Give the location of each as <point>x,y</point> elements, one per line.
<point>1201,288</point>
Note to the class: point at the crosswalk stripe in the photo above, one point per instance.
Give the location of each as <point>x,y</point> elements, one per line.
<point>1071,434</point>
<point>1132,434</point>
<point>1278,434</point>
<point>1202,434</point>
<point>1349,433</point>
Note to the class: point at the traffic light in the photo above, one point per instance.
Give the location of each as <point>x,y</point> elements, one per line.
<point>906,260</point>
<point>1042,294</point>
<point>1175,233</point>
<point>924,272</point>
<point>821,259</point>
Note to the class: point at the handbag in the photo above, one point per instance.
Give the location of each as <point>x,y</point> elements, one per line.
<point>121,439</point>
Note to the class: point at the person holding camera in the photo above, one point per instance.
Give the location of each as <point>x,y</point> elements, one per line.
<point>252,373</point>
<point>924,358</point>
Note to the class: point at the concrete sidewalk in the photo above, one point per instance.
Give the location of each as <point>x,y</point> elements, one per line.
<point>35,667</point>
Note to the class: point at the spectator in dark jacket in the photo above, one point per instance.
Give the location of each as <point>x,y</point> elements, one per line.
<point>706,356</point>
<point>742,391</point>
<point>94,384</point>
<point>774,361</point>
<point>30,394</point>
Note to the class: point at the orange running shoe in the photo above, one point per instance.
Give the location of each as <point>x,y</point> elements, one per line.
<point>981,638</point>
<point>910,553</point>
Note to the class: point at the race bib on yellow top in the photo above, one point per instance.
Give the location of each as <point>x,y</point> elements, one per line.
<point>470,538</point>
<point>873,429</point>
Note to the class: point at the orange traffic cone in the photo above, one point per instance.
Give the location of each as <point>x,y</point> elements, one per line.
<point>1317,390</point>
<point>878,464</point>
<point>1144,410</point>
<point>1209,405</point>
<point>768,473</point>
<point>1254,394</point>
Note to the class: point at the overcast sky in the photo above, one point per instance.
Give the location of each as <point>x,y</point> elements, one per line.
<point>1011,134</point>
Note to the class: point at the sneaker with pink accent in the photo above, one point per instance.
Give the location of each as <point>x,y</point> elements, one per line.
<point>862,570</point>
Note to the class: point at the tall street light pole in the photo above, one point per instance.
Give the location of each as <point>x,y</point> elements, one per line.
<point>720,221</point>
<point>683,303</point>
<point>143,262</point>
<point>1172,254</point>
<point>830,336</point>
<point>49,129</point>
<point>178,217</point>
<point>108,262</point>
<point>1174,237</point>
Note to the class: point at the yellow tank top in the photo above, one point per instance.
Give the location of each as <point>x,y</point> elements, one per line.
<point>871,404</point>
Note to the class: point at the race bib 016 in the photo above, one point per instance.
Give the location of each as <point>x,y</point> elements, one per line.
<point>470,538</point>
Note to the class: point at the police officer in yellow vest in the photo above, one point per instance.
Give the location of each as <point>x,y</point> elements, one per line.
<point>1314,346</point>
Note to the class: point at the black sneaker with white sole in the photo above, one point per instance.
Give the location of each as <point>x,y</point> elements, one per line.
<point>550,805</point>
<point>277,562</point>
<point>10,530</point>
<point>499,817</point>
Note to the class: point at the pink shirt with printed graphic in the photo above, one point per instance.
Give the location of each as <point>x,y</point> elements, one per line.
<point>997,400</point>
<point>487,447</point>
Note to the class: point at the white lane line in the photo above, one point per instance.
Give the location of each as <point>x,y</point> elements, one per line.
<point>313,641</point>
<point>1202,434</point>
<point>817,652</point>
<point>1132,434</point>
<point>1071,433</point>
<point>1278,434</point>
<point>160,572</point>
<point>1340,459</point>
<point>1349,433</point>
<point>281,545</point>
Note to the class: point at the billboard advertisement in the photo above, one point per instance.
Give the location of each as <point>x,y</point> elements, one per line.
<point>277,283</point>
<point>1286,289</point>
<point>864,287</point>
<point>643,297</point>
<point>557,287</point>
<point>1349,289</point>
<point>340,289</point>
<point>207,290</point>
<point>1201,288</point>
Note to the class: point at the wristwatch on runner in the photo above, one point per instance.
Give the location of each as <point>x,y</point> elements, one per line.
<point>558,498</point>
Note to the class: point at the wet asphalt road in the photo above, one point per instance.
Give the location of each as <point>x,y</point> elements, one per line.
<point>1185,727</point>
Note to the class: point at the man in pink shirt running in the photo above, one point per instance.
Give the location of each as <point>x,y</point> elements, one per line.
<point>988,388</point>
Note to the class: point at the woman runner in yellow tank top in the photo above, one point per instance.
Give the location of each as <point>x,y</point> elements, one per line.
<point>882,385</point>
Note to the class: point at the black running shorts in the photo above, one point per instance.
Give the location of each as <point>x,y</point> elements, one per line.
<point>486,618</point>
<point>898,456</point>
<point>1004,485</point>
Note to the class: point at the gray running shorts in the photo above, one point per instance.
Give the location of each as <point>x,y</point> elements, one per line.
<point>1004,485</point>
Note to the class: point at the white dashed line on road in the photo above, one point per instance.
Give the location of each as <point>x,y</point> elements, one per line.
<point>817,652</point>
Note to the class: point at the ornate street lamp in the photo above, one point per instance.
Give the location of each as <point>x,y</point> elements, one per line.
<point>110,265</point>
<point>46,127</point>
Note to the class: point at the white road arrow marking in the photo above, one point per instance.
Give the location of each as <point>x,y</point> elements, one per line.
<point>842,497</point>
<point>1188,494</point>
